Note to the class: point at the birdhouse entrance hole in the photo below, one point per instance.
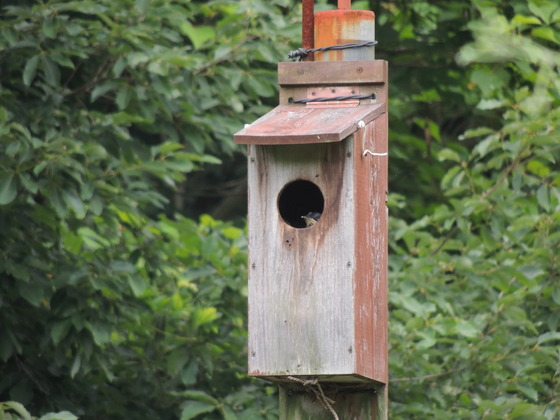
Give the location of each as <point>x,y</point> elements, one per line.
<point>299,200</point>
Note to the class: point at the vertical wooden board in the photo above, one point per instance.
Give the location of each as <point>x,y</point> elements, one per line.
<point>371,257</point>
<point>352,405</point>
<point>301,312</point>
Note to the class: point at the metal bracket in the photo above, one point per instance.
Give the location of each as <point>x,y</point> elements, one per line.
<point>333,92</point>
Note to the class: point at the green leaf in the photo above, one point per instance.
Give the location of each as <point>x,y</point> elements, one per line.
<point>538,168</point>
<point>123,98</point>
<point>530,392</point>
<point>189,374</point>
<point>543,197</point>
<point>62,415</point>
<point>488,104</point>
<point>3,115</point>
<point>232,232</point>
<point>137,284</point>
<point>490,80</point>
<point>549,336</point>
<point>102,89</point>
<point>198,35</point>
<point>477,132</point>
<point>57,201</point>
<point>546,33</point>
<point>28,183</point>
<point>228,413</point>
<point>448,154</point>
<point>194,408</point>
<point>526,20</point>
<point>556,296</point>
<point>30,70</point>
<point>196,395</point>
<point>17,407</point>
<point>6,348</point>
<point>60,330</point>
<point>73,29</point>
<point>119,67</point>
<point>466,329</point>
<point>49,28</point>
<point>204,316</point>
<point>100,332</point>
<point>62,60</point>
<point>33,293</point>
<point>545,9</point>
<point>487,145</point>
<point>76,364</point>
<point>72,199</point>
<point>51,71</point>
<point>8,189</point>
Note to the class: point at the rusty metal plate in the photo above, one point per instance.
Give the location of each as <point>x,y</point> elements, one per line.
<point>333,92</point>
<point>299,124</point>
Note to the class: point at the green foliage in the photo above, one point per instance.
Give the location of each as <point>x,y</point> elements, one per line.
<point>475,319</point>
<point>110,305</point>
<point>12,410</point>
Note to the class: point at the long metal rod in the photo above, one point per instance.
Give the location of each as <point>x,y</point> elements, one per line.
<point>308,27</point>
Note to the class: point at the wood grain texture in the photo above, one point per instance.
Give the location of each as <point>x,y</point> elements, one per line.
<point>371,306</point>
<point>318,295</point>
<point>302,405</point>
<point>332,73</point>
<point>301,311</point>
<point>300,124</point>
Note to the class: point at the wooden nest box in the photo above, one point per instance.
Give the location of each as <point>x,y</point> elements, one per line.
<point>317,225</point>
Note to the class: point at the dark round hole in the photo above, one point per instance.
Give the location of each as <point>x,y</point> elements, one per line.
<point>301,203</point>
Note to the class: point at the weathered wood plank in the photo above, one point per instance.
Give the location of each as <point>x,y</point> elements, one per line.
<point>371,305</point>
<point>332,73</point>
<point>301,311</point>
<point>299,124</point>
<point>303,405</point>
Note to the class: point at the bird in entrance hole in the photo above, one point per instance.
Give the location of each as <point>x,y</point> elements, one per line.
<point>311,218</point>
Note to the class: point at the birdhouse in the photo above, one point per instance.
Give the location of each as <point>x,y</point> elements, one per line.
<point>317,181</point>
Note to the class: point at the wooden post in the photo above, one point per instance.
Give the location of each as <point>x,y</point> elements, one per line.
<point>318,290</point>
